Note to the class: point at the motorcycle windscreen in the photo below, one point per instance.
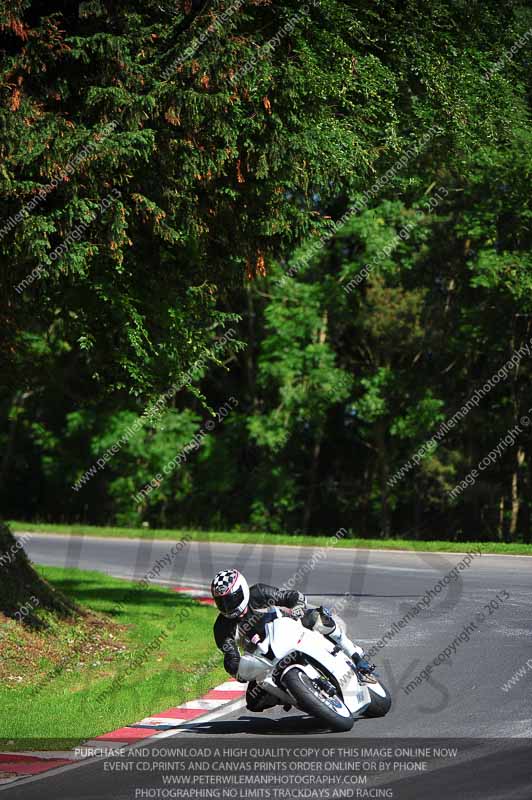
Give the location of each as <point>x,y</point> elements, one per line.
<point>283,636</point>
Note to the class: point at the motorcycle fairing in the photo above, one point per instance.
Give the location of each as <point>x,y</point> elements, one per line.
<point>286,635</point>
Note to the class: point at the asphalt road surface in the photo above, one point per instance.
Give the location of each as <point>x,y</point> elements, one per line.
<point>488,604</point>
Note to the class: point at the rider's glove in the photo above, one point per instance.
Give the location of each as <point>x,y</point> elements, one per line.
<point>293,613</point>
<point>231,657</point>
<point>300,607</point>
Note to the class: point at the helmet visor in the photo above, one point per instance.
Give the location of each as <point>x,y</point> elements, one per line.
<point>228,603</point>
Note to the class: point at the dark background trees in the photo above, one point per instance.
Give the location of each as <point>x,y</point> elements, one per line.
<point>233,161</point>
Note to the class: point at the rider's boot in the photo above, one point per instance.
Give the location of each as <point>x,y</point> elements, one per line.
<point>332,631</point>
<point>257,699</point>
<point>361,663</point>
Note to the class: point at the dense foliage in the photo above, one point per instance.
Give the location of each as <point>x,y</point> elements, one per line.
<point>228,158</point>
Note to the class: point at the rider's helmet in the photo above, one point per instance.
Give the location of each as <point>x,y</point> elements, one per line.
<point>230,591</point>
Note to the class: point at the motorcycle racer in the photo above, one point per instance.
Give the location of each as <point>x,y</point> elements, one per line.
<point>244,611</point>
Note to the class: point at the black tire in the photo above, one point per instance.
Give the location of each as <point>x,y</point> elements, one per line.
<point>300,686</point>
<point>379,706</point>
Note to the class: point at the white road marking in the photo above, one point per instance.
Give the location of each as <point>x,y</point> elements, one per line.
<point>227,709</point>
<point>231,686</point>
<point>208,705</point>
<point>50,754</point>
<point>100,745</point>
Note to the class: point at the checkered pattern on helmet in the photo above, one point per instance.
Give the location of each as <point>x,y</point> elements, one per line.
<point>223,580</point>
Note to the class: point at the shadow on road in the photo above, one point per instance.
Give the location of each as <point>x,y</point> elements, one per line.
<point>358,594</point>
<point>259,726</point>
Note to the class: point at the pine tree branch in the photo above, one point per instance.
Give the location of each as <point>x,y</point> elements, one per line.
<point>198,7</point>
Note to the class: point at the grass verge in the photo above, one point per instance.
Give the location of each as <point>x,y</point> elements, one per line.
<point>142,650</point>
<point>273,538</point>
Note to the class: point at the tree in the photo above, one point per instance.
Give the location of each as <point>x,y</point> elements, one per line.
<point>243,131</point>
<point>145,168</point>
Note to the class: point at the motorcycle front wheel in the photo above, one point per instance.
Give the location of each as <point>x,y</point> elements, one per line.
<point>316,702</point>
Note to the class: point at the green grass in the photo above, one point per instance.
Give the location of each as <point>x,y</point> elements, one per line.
<point>69,707</point>
<point>274,538</point>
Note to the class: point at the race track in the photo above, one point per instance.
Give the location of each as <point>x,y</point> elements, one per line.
<point>461,698</point>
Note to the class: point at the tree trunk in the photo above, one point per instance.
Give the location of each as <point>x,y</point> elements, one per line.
<point>516,500</point>
<point>313,470</point>
<point>249,354</point>
<point>500,526</point>
<point>527,508</point>
<point>366,496</point>
<point>21,585</point>
<point>18,399</point>
<point>312,481</point>
<point>384,474</point>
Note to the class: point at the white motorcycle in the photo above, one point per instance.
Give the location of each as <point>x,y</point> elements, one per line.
<point>302,668</point>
